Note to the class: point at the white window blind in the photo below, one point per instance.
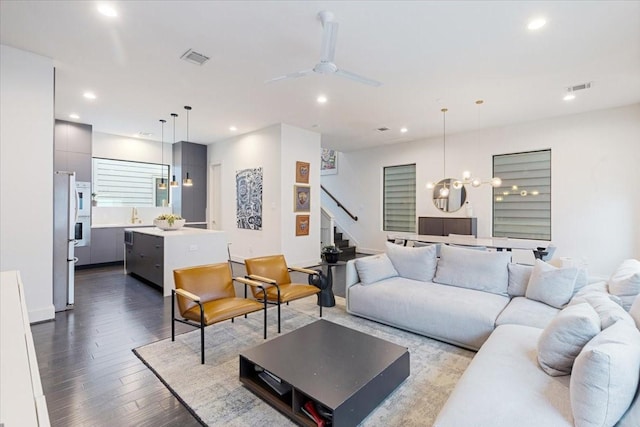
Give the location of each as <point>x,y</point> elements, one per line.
<point>522,205</point>
<point>399,198</point>
<point>125,183</point>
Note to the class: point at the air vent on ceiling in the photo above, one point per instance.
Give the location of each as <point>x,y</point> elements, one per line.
<point>383,129</point>
<point>580,87</point>
<point>194,57</point>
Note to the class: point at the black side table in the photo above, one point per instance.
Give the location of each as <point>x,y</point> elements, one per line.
<point>325,296</point>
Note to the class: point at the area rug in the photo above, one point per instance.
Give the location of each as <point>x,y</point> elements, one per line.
<point>214,394</point>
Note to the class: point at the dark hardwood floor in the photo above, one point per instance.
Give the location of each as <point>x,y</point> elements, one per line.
<point>89,374</point>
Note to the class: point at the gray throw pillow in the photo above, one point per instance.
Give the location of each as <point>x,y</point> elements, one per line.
<point>563,339</point>
<point>374,268</point>
<point>413,263</point>
<point>518,279</point>
<point>605,376</point>
<point>550,285</point>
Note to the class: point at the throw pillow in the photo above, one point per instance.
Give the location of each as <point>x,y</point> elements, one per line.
<point>635,311</point>
<point>566,335</point>
<point>583,276</point>
<point>413,263</point>
<point>374,268</point>
<point>625,281</point>
<point>608,310</point>
<point>518,279</point>
<point>472,269</point>
<point>550,285</point>
<point>605,376</point>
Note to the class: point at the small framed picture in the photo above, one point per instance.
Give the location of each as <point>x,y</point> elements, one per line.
<point>328,162</point>
<point>301,198</point>
<point>302,172</point>
<point>302,225</point>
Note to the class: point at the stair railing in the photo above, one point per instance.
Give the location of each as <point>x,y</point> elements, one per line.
<point>340,205</point>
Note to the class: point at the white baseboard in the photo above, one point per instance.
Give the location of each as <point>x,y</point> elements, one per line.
<point>42,314</point>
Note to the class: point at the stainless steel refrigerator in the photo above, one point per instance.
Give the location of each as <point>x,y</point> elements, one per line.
<point>65,217</point>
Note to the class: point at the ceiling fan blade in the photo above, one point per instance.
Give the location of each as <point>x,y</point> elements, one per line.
<point>290,76</point>
<point>328,49</point>
<point>357,78</point>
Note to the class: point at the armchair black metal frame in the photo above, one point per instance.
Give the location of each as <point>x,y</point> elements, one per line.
<point>201,325</point>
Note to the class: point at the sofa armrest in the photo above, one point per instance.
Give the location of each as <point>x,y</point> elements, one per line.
<point>351,275</point>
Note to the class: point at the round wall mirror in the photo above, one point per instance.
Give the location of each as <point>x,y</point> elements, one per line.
<point>446,197</point>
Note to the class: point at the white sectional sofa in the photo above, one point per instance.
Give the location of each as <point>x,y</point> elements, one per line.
<point>533,327</point>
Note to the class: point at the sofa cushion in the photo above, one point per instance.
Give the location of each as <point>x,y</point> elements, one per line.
<point>413,263</point>
<point>471,269</point>
<point>527,312</point>
<point>374,268</point>
<point>566,335</point>
<point>504,386</point>
<point>519,275</point>
<point>551,285</point>
<point>625,281</point>
<point>605,376</point>
<point>457,315</point>
<point>608,309</point>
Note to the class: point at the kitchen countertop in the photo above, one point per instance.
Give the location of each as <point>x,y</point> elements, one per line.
<point>121,225</point>
<point>185,231</point>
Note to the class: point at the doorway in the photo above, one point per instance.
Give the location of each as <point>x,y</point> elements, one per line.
<point>215,197</point>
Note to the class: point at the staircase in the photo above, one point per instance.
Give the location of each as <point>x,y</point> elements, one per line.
<point>348,252</point>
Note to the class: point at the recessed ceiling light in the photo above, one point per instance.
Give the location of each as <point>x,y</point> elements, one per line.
<point>233,128</point>
<point>404,130</point>
<point>536,24</point>
<point>74,116</point>
<point>321,99</point>
<point>569,96</point>
<point>107,10</point>
<point>89,95</point>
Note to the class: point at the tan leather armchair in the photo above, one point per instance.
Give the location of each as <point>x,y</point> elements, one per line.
<point>273,271</point>
<point>205,295</point>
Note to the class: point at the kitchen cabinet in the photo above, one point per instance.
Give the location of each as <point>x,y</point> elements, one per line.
<point>72,143</point>
<point>107,245</point>
<point>190,202</point>
<point>83,253</point>
<point>443,226</point>
<point>153,254</point>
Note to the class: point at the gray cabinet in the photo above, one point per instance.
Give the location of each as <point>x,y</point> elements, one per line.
<point>145,257</point>
<point>190,202</point>
<point>443,226</point>
<point>107,245</point>
<point>83,253</point>
<point>72,143</point>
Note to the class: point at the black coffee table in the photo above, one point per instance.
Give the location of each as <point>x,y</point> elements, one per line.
<point>348,372</point>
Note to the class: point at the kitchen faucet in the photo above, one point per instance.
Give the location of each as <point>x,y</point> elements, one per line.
<point>134,216</point>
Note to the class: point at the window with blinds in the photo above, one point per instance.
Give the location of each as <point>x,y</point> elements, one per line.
<point>399,198</point>
<point>125,183</point>
<point>522,205</point>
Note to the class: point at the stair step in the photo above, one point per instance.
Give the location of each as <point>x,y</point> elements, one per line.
<point>337,236</point>
<point>341,243</point>
<point>347,253</point>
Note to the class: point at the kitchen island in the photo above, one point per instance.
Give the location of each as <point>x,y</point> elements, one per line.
<point>153,254</point>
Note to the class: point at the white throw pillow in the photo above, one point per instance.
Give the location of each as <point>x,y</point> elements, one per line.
<point>608,310</point>
<point>625,281</point>
<point>374,268</point>
<point>413,263</point>
<point>583,276</point>
<point>634,312</point>
<point>518,279</point>
<point>473,269</point>
<point>605,376</point>
<point>550,285</point>
<point>563,339</point>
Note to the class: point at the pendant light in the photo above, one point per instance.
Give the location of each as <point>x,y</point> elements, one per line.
<point>162,185</point>
<point>174,183</point>
<point>187,182</point>
<point>467,178</point>
<point>444,190</point>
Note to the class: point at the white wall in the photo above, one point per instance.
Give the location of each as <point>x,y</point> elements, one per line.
<point>26,160</point>
<point>300,145</point>
<point>276,150</point>
<point>595,174</point>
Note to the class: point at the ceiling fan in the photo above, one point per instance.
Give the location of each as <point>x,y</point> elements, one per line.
<point>327,54</point>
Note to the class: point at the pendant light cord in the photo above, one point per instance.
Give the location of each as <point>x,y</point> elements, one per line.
<point>444,142</point>
<point>162,150</point>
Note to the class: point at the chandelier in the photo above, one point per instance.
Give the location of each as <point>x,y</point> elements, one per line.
<point>467,177</point>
